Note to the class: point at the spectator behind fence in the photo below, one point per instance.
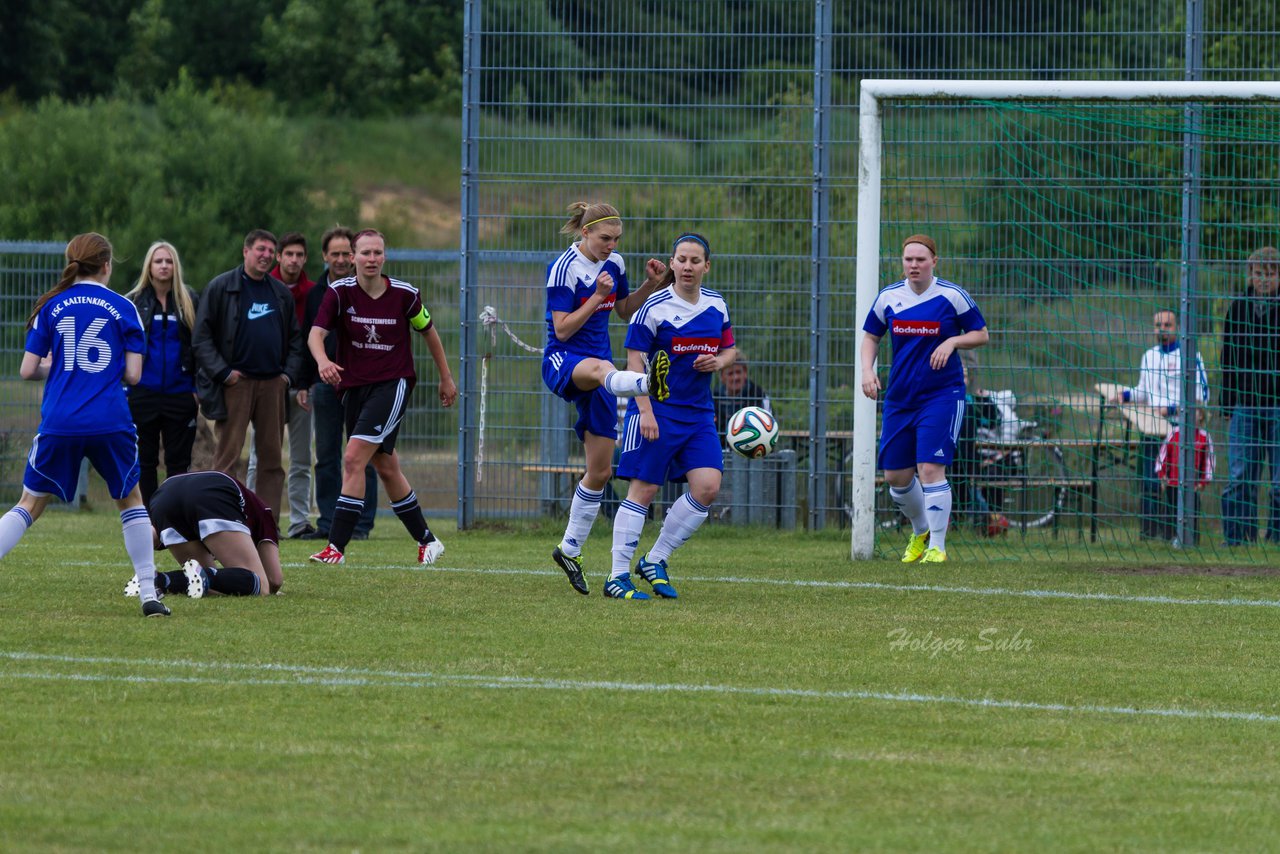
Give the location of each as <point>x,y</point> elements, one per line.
<point>1167,472</point>
<point>1159,387</point>
<point>928,320</point>
<point>734,391</point>
<point>1251,400</point>
<point>292,270</point>
<point>326,407</point>
<point>163,403</point>
<point>249,352</point>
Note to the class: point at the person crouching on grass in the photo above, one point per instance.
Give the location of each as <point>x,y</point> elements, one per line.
<point>928,320</point>
<point>372,316</point>
<point>201,514</point>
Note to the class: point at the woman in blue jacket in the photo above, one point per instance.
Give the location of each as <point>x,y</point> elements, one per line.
<point>164,402</point>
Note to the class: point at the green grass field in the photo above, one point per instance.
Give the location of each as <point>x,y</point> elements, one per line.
<point>789,700</point>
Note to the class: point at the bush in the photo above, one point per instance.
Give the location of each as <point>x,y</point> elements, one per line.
<point>184,169</point>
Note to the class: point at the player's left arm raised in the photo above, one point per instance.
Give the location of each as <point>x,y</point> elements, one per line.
<point>970,340</point>
<point>654,270</point>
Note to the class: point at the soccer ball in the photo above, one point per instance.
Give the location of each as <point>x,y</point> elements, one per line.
<point>752,431</point>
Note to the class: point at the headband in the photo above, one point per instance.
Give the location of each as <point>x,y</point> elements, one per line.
<point>601,219</point>
<point>695,238</point>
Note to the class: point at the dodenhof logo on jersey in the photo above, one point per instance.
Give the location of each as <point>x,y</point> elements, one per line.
<point>607,305</point>
<point>695,345</point>
<point>921,328</point>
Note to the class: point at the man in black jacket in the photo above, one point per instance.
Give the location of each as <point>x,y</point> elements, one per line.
<point>249,350</point>
<point>1251,400</point>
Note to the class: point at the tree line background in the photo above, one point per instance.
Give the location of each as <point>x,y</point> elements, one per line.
<point>197,120</point>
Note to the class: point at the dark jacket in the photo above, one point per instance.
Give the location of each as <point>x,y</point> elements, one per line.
<point>309,370</point>
<point>214,338</point>
<point>1251,353</point>
<point>169,363</point>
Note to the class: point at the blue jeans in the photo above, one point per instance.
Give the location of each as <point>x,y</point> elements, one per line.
<point>1253,438</point>
<point>329,424</point>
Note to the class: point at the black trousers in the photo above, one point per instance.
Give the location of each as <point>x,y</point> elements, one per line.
<point>168,416</point>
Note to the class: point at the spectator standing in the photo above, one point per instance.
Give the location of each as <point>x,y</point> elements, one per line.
<point>163,403</point>
<point>1251,400</point>
<point>326,407</point>
<point>735,390</point>
<point>249,353</point>
<point>291,269</point>
<point>372,316</point>
<point>1159,387</point>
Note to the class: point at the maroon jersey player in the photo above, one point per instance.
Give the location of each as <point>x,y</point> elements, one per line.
<point>373,316</point>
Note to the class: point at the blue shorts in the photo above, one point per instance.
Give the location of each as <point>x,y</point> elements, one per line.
<point>680,448</point>
<point>920,434</point>
<point>597,409</point>
<point>53,466</point>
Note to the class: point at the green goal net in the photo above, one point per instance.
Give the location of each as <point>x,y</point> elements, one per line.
<point>1102,239</point>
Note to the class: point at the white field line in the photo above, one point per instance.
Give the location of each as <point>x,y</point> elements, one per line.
<point>850,585</point>
<point>1234,602</point>
<point>302,676</point>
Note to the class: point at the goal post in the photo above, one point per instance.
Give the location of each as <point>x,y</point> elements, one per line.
<point>1178,189</point>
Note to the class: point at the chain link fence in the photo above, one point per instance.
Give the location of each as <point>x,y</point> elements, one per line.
<point>738,120</point>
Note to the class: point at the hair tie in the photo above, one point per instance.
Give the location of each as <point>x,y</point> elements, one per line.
<point>698,239</point>
<point>601,219</point>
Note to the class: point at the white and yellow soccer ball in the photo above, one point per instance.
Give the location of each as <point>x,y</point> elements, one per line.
<point>752,431</point>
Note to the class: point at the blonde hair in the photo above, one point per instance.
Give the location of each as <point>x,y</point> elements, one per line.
<point>186,308</point>
<point>87,255</point>
<point>588,214</point>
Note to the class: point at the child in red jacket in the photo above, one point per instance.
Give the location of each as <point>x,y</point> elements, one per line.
<point>1167,472</point>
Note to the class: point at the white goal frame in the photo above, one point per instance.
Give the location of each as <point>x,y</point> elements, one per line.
<point>874,91</point>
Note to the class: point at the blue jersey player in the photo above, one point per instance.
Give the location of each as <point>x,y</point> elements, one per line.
<point>82,339</point>
<point>927,319</point>
<point>584,285</point>
<point>675,439</point>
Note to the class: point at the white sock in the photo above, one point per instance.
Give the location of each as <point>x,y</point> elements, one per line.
<point>910,500</point>
<point>136,526</point>
<point>937,499</point>
<point>582,513</point>
<point>12,526</point>
<point>628,523</point>
<point>683,518</point>
<point>626,383</point>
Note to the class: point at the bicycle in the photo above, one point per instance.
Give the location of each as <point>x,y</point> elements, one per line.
<point>1019,478</point>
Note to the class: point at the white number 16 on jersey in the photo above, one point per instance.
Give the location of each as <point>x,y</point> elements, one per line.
<point>90,353</point>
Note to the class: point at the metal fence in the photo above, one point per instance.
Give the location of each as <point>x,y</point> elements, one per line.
<point>735,119</point>
<point>739,120</point>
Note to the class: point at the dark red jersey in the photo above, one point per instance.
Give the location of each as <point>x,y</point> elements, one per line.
<point>374,335</point>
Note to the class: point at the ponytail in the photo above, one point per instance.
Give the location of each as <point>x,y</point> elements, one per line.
<point>587,214</point>
<point>87,255</point>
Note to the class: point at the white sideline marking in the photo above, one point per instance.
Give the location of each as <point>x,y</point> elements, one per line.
<point>300,675</point>
<point>858,585</point>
